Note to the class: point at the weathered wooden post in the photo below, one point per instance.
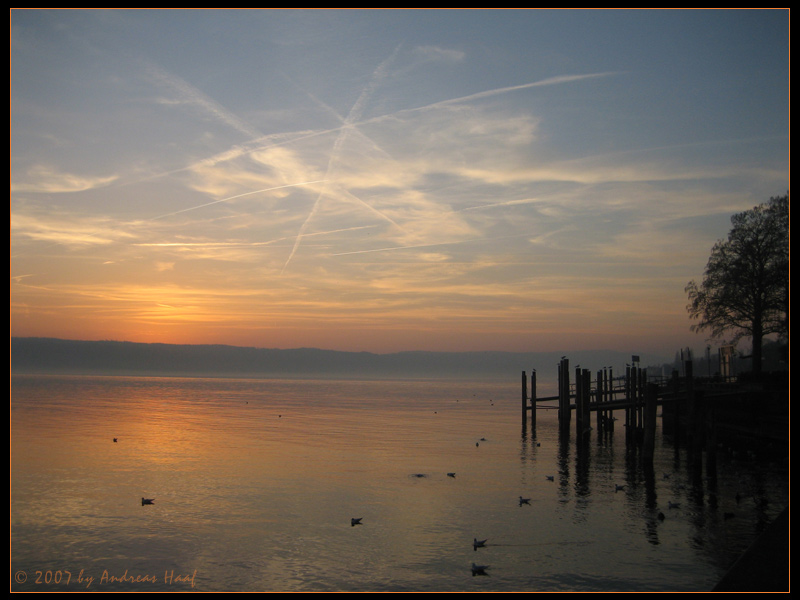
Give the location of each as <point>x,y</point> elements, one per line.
<point>650,409</point>
<point>669,409</point>
<point>598,398</point>
<point>580,425</point>
<point>695,416</point>
<point>524,401</point>
<point>560,391</point>
<point>564,411</point>
<point>533,398</point>
<point>630,394</point>
<point>587,397</point>
<point>643,388</point>
<point>610,396</point>
<point>640,378</point>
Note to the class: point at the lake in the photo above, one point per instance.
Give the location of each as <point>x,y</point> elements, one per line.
<point>255,482</point>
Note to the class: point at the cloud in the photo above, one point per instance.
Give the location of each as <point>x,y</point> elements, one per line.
<point>69,230</point>
<point>42,179</point>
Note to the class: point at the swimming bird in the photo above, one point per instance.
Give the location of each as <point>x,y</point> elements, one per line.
<point>673,505</point>
<point>618,487</point>
<point>479,569</point>
<point>476,543</point>
<point>148,501</point>
<point>354,522</point>
<point>550,477</point>
<point>524,500</point>
<point>451,474</point>
<point>115,440</point>
<point>661,516</point>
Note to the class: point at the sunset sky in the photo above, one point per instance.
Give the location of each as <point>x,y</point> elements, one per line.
<point>385,180</point>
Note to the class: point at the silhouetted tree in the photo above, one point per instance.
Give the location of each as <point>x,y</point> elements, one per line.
<point>745,288</point>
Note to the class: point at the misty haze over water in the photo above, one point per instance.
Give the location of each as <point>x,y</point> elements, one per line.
<point>43,355</point>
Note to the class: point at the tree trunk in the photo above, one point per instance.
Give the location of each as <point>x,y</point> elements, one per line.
<point>758,339</point>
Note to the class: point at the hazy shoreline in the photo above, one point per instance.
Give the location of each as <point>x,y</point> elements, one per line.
<point>58,356</point>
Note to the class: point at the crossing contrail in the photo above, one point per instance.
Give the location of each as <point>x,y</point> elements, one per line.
<point>280,187</point>
<point>353,116</point>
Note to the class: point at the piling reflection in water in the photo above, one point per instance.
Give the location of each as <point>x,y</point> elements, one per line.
<point>254,501</point>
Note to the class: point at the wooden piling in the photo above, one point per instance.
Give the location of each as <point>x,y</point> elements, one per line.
<point>642,395</point>
<point>580,425</point>
<point>609,386</point>
<point>533,398</point>
<point>564,410</point>
<point>651,399</point>
<point>640,399</point>
<point>524,400</point>
<point>629,396</point>
<point>585,378</point>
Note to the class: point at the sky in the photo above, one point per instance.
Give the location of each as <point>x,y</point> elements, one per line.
<point>385,180</point>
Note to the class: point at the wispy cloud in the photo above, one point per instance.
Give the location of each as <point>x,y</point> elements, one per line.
<point>42,179</point>
<point>358,180</point>
<point>68,230</point>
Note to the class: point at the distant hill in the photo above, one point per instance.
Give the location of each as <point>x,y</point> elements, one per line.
<point>56,356</point>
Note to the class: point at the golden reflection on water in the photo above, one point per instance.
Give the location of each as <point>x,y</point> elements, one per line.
<point>255,484</point>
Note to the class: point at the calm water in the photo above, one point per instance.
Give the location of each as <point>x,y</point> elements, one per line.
<point>255,483</point>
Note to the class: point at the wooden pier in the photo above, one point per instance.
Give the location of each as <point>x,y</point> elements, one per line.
<point>689,406</point>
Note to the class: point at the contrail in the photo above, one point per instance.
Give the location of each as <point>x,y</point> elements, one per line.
<point>194,96</point>
<point>498,91</point>
<point>280,187</point>
<point>287,138</point>
<point>353,116</point>
<point>431,245</point>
